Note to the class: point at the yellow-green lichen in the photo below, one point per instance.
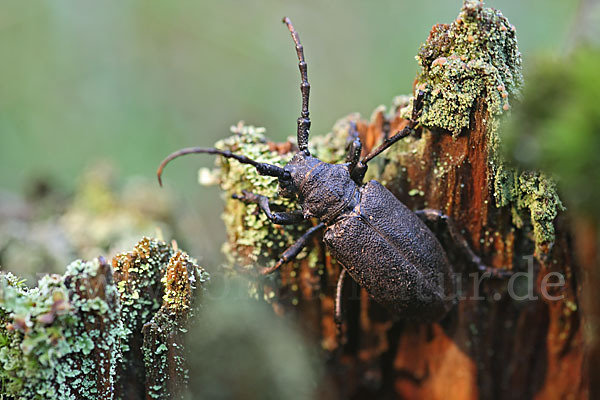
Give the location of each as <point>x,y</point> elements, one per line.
<point>180,280</point>
<point>530,194</point>
<point>254,241</point>
<point>138,274</point>
<point>475,56</point>
<point>556,124</point>
<point>257,241</point>
<point>476,59</point>
<point>162,349</point>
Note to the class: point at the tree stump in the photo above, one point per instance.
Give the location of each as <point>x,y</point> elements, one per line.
<point>518,337</point>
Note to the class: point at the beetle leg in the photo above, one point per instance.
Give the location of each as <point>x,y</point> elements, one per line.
<point>361,168</point>
<point>436,215</point>
<point>389,141</point>
<point>338,316</point>
<point>292,252</point>
<point>280,218</point>
<point>354,150</point>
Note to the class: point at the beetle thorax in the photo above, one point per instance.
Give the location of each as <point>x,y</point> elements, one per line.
<point>323,189</point>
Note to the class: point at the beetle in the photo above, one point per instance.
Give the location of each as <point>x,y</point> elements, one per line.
<point>399,261</point>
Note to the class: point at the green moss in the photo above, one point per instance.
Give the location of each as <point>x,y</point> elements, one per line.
<point>476,56</point>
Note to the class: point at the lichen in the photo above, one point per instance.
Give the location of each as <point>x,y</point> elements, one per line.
<point>138,274</point>
<point>51,331</point>
<point>531,194</point>
<point>156,284</point>
<point>253,241</point>
<point>475,56</point>
<point>65,338</point>
<point>555,127</point>
<point>179,282</point>
<point>163,356</point>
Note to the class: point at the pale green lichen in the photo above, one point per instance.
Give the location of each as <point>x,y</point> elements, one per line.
<point>48,333</point>
<point>65,338</point>
<point>476,56</point>
<point>156,284</point>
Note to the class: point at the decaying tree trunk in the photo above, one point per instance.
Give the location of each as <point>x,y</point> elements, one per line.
<point>492,345</point>
<point>517,337</point>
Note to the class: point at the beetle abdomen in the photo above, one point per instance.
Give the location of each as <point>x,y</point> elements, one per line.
<point>390,252</point>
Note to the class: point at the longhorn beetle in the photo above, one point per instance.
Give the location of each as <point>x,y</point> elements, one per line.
<point>384,246</point>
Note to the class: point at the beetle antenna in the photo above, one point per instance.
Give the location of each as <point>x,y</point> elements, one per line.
<point>262,168</point>
<point>304,120</point>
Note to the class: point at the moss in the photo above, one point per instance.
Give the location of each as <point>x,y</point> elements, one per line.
<point>473,57</point>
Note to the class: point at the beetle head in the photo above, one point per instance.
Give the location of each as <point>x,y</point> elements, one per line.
<point>298,168</point>
<point>320,187</point>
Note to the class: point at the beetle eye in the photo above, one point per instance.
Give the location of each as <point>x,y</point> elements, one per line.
<point>285,177</point>
<point>285,183</point>
<point>286,187</point>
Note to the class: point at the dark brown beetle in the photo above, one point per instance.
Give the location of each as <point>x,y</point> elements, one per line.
<point>385,247</point>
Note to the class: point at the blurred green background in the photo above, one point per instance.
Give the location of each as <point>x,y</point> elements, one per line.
<point>128,81</point>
